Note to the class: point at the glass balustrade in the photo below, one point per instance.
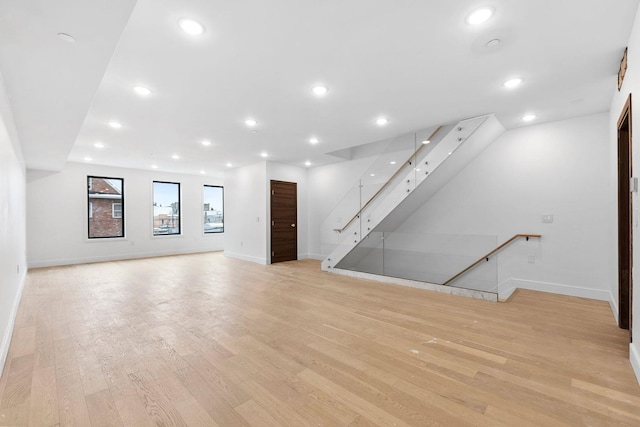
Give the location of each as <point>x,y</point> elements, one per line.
<point>430,258</point>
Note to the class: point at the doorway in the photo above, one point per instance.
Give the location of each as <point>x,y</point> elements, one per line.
<point>625,217</point>
<point>284,221</point>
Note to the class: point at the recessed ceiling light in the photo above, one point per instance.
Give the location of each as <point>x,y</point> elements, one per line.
<point>205,143</point>
<point>511,83</point>
<point>202,172</point>
<point>191,27</point>
<point>372,174</point>
<point>250,122</point>
<point>319,90</point>
<point>88,159</point>
<point>115,125</point>
<point>263,154</point>
<point>313,140</point>
<point>98,145</point>
<point>229,165</point>
<point>307,163</point>
<point>392,163</point>
<point>480,16</point>
<point>449,153</point>
<point>154,166</point>
<point>382,121</point>
<point>175,157</point>
<point>528,117</point>
<point>66,37</point>
<point>493,43</point>
<point>426,141</point>
<point>142,91</point>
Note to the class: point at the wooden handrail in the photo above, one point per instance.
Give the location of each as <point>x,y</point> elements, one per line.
<point>486,257</point>
<point>407,162</point>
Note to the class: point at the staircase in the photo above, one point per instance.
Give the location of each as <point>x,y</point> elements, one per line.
<point>427,169</point>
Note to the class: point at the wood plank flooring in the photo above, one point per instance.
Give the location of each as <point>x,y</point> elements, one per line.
<point>203,340</point>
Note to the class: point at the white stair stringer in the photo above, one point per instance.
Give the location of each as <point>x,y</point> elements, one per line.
<point>417,184</point>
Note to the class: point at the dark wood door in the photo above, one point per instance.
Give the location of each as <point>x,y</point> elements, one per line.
<point>625,230</point>
<point>284,221</point>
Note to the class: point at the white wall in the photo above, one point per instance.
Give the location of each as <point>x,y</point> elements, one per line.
<point>280,172</point>
<point>556,168</point>
<point>13,261</point>
<point>631,85</point>
<point>246,213</point>
<point>57,217</point>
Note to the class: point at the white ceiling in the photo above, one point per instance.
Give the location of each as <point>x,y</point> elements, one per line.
<point>414,61</point>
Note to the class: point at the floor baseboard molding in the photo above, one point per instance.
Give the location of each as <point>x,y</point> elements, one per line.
<point>8,332</point>
<point>614,308</point>
<point>243,257</point>
<point>634,358</point>
<point>512,284</point>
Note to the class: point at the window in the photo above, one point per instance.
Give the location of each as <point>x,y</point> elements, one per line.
<point>166,208</point>
<point>116,210</point>
<point>213,197</point>
<point>105,207</point>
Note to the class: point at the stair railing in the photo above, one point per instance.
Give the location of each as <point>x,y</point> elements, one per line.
<point>403,165</point>
<point>488,255</point>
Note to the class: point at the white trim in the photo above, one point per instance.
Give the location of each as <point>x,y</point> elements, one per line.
<point>634,358</point>
<point>316,257</point>
<point>487,296</point>
<point>117,257</point>
<point>8,333</point>
<point>242,257</point>
<point>555,288</point>
<point>614,307</point>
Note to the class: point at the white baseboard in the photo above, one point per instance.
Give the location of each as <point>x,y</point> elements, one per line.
<point>243,257</point>
<point>555,288</point>
<point>634,358</point>
<point>114,257</point>
<point>8,332</point>
<point>614,308</point>
<point>316,257</point>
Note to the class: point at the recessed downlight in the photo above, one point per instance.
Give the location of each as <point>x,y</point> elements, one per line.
<point>392,162</point>
<point>528,117</point>
<point>512,83</point>
<point>313,140</point>
<point>114,125</point>
<point>175,157</point>
<point>319,90</point>
<point>88,159</point>
<point>191,26</point>
<point>493,43</point>
<point>382,121</point>
<point>372,174</point>
<point>264,154</point>
<point>142,91</point>
<point>479,16</point>
<point>154,166</point>
<point>205,142</point>
<point>426,141</point>
<point>98,145</point>
<point>202,172</point>
<point>250,122</point>
<point>307,163</point>
<point>229,165</point>
<point>66,37</point>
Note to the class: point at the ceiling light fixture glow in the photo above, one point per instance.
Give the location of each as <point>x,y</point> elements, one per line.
<point>114,125</point>
<point>264,154</point>
<point>154,166</point>
<point>205,142</point>
<point>88,159</point>
<point>512,83</point>
<point>191,26</point>
<point>98,145</point>
<point>229,165</point>
<point>202,172</point>
<point>528,117</point>
<point>392,162</point>
<point>372,174</point>
<point>175,157</point>
<point>142,91</point>
<point>382,121</point>
<point>426,141</point>
<point>479,16</point>
<point>307,163</point>
<point>313,140</point>
<point>319,90</point>
<point>250,122</point>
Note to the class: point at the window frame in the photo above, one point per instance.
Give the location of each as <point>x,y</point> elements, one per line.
<point>90,210</point>
<point>153,232</point>
<point>206,233</point>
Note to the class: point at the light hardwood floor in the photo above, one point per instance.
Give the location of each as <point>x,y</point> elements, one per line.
<point>202,340</point>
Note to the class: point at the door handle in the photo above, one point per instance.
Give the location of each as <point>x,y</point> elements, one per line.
<point>293,225</point>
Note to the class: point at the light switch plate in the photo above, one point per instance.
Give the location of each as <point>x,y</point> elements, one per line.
<point>547,218</point>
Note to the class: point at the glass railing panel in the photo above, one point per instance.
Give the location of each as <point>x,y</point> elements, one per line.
<point>367,257</point>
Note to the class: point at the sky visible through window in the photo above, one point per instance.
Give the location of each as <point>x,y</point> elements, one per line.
<point>213,197</point>
<point>165,193</point>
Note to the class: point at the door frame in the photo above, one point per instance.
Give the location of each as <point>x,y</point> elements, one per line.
<point>625,218</point>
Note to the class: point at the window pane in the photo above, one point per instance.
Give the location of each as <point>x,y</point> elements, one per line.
<point>213,209</point>
<point>105,205</point>
<point>166,208</point>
